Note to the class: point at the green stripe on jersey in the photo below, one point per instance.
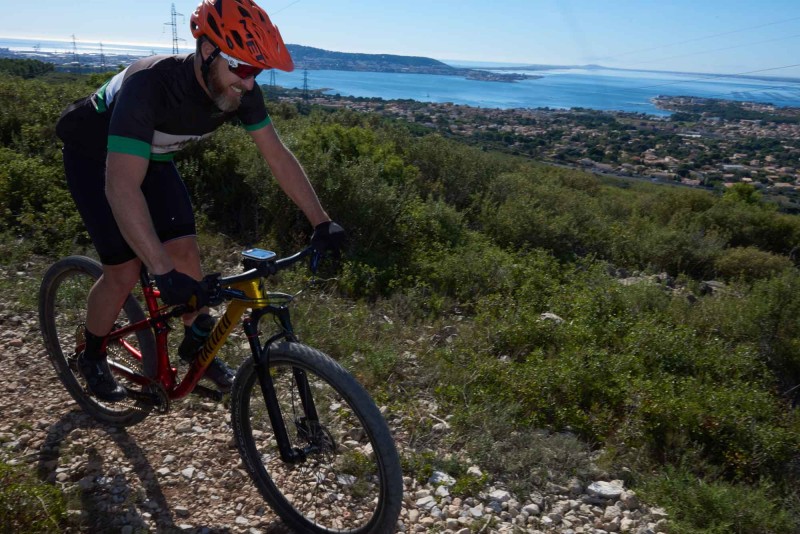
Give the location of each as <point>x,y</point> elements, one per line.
<point>99,99</point>
<point>258,125</point>
<point>126,145</point>
<point>162,157</point>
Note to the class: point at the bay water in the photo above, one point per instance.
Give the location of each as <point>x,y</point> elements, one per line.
<point>596,88</point>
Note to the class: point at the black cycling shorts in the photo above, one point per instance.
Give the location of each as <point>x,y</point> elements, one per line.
<point>166,195</point>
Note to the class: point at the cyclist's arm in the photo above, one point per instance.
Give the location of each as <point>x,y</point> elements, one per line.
<point>124,176</point>
<point>289,174</point>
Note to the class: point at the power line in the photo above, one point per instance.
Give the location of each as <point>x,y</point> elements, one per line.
<point>713,76</point>
<point>705,37</point>
<point>717,49</point>
<point>284,8</point>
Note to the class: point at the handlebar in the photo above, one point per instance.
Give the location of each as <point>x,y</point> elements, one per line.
<point>216,286</point>
<point>268,268</point>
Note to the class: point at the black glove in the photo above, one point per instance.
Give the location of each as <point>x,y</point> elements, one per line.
<point>328,236</point>
<point>179,288</point>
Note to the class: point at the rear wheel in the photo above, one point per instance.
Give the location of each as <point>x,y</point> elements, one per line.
<point>63,296</point>
<point>350,480</point>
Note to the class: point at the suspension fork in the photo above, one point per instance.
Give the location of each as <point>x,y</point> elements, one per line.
<point>261,360</point>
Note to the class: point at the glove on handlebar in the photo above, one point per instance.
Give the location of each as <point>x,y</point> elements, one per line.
<point>179,288</point>
<point>328,236</point>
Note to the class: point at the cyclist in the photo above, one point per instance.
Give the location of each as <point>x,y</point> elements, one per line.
<point>118,146</point>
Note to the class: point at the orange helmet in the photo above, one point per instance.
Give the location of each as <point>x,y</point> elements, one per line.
<point>242,30</point>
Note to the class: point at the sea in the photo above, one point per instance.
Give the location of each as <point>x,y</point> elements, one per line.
<point>564,88</point>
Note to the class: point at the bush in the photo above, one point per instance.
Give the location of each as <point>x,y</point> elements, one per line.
<point>699,507</point>
<point>35,204</point>
<point>27,505</point>
<point>749,263</point>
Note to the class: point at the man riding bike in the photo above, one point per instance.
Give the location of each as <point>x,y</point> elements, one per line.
<point>118,146</point>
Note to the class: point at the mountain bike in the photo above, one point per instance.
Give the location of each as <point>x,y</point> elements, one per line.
<point>311,438</point>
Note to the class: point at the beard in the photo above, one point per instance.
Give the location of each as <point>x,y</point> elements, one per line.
<point>218,93</point>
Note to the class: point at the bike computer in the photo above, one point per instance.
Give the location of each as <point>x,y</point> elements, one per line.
<point>258,254</point>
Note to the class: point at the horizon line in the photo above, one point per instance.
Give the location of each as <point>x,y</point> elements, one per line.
<point>505,64</point>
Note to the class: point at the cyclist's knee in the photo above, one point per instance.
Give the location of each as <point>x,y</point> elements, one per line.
<point>120,279</point>
<point>186,255</point>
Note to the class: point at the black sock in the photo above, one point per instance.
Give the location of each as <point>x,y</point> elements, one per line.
<point>94,345</point>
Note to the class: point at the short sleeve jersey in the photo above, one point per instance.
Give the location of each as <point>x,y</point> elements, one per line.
<point>152,109</point>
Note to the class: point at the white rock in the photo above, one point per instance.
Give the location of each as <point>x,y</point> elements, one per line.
<point>658,514</point>
<point>606,490</point>
<point>500,496</point>
<point>531,509</point>
<point>440,478</point>
<point>611,513</point>
<point>426,503</point>
<point>475,471</point>
<point>183,427</point>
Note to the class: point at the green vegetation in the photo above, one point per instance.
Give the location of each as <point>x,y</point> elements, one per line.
<point>25,68</point>
<point>457,253</point>
<point>727,110</point>
<point>28,505</point>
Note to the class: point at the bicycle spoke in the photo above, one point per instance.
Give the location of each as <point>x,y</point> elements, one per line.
<point>342,486</point>
<point>63,300</point>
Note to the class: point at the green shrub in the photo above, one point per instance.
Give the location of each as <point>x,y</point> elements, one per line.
<point>699,507</point>
<point>35,204</point>
<point>749,263</point>
<point>28,505</point>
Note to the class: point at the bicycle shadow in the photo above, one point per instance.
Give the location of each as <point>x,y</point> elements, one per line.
<point>104,496</point>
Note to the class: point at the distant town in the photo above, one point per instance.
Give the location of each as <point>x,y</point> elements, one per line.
<point>705,142</point>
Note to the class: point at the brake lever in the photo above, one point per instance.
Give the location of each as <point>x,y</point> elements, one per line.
<point>213,289</point>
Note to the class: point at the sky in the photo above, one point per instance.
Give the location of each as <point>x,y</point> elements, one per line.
<point>714,36</point>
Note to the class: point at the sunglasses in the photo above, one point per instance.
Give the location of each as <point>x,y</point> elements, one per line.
<point>240,68</point>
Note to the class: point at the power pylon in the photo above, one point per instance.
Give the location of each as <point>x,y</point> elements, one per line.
<point>173,22</point>
<point>75,53</point>
<point>305,85</point>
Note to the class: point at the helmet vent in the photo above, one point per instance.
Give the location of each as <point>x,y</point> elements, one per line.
<point>237,38</point>
<point>229,42</point>
<point>244,13</point>
<point>213,25</point>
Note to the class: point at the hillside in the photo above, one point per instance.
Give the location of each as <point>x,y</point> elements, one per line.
<point>548,327</point>
<point>307,57</point>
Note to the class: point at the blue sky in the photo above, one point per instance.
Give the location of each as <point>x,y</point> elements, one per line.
<point>716,36</point>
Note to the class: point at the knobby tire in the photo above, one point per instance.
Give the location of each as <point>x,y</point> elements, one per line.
<point>63,298</point>
<point>353,482</point>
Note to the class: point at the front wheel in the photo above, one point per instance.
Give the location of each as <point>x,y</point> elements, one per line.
<point>351,479</point>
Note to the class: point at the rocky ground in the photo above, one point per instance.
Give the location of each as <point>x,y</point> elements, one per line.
<point>181,471</point>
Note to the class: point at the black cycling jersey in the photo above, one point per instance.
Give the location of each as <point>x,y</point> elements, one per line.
<point>152,109</point>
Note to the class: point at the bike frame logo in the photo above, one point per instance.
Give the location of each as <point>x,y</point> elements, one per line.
<point>215,340</point>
